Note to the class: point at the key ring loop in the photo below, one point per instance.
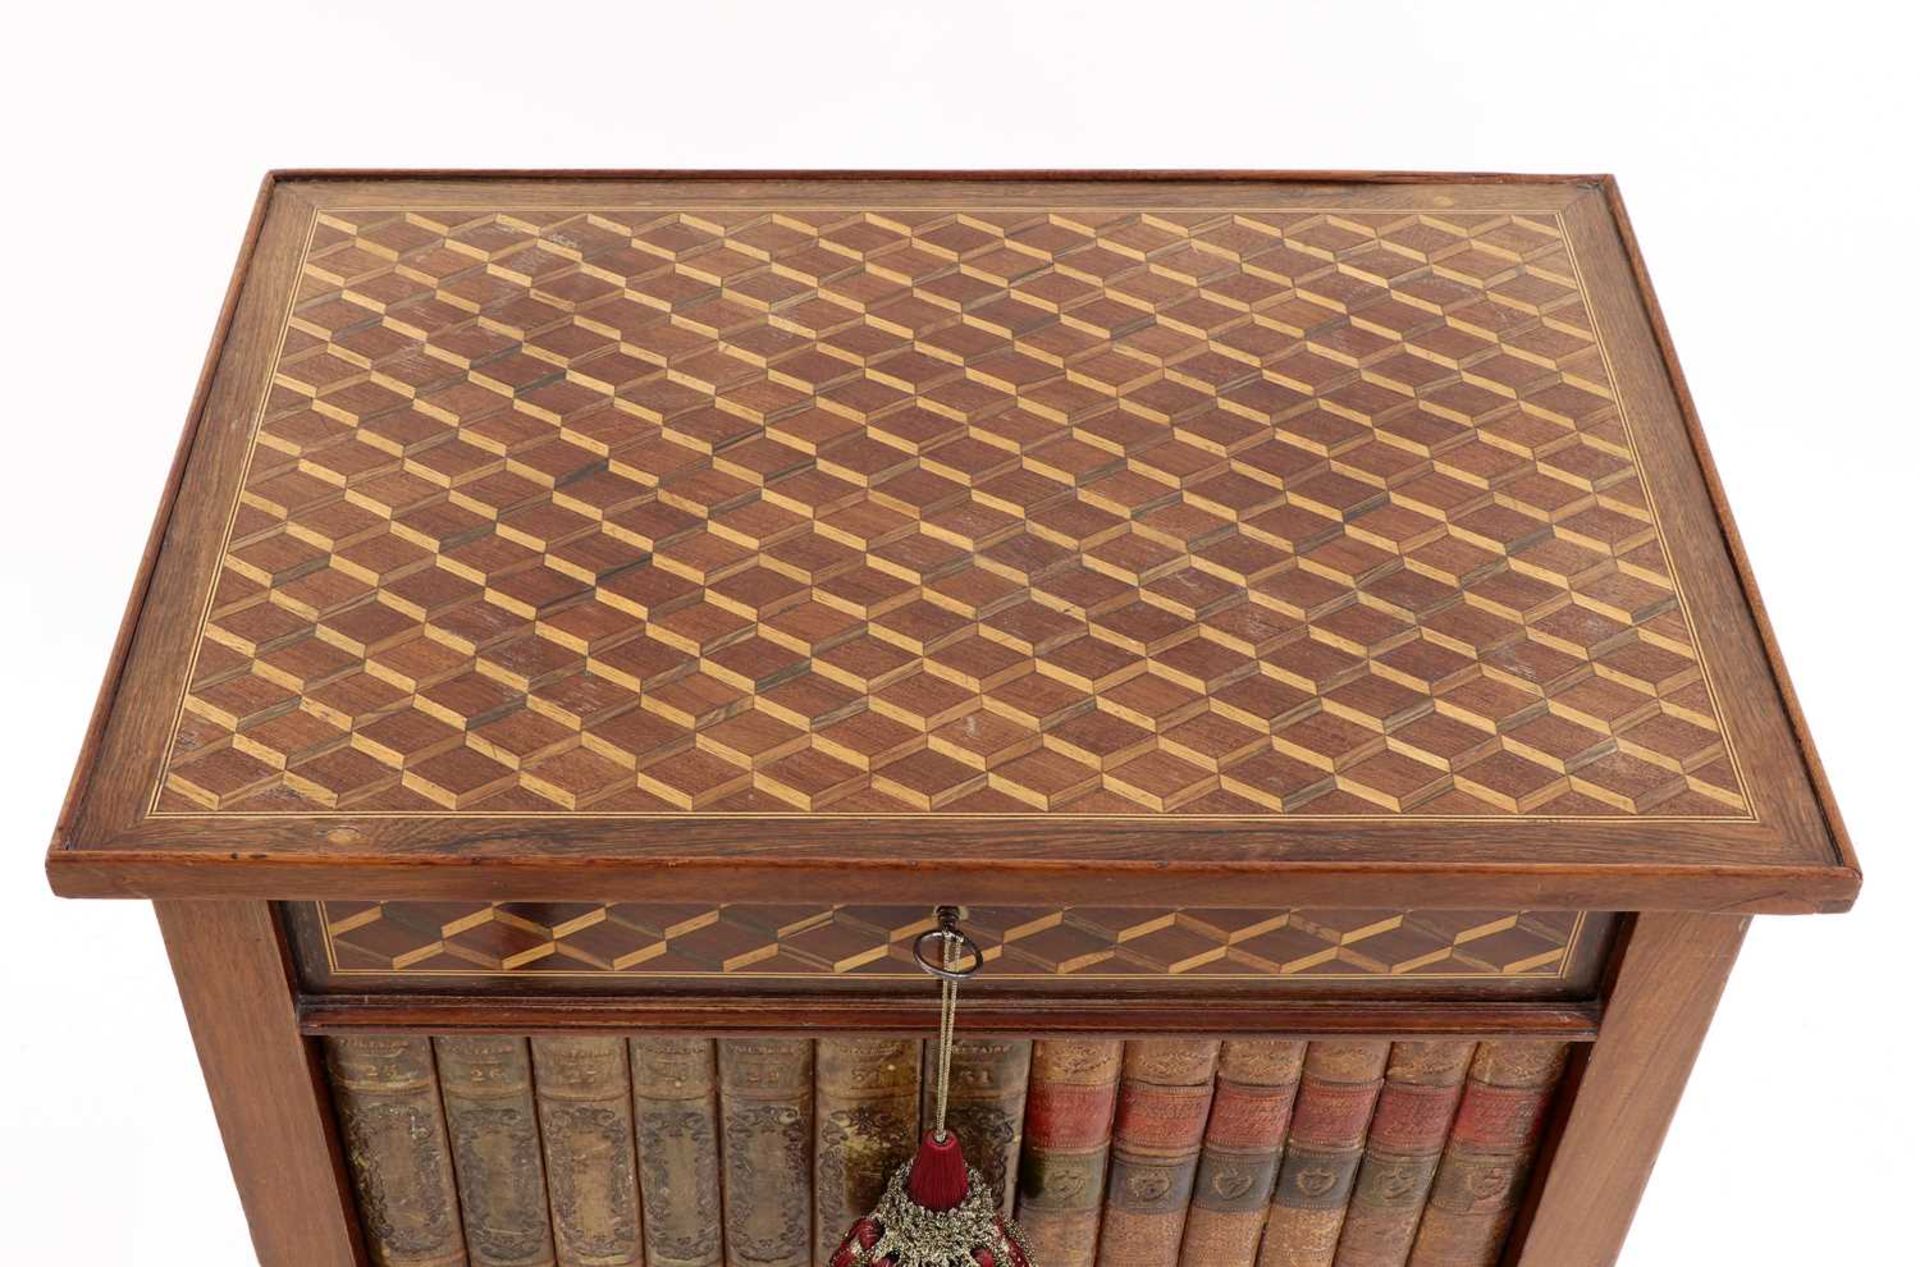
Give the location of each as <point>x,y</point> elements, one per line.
<point>948,934</point>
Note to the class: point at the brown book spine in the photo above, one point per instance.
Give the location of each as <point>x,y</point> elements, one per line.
<point>986,1105</point>
<point>586,1124</point>
<point>676,1120</point>
<point>1070,1100</point>
<point>766,1133</point>
<point>1409,1130</point>
<point>1240,1157</point>
<point>866,1124</point>
<point>396,1142</point>
<point>1166,1086</point>
<point>487,1087</point>
<point>1338,1087</point>
<point>1489,1154</point>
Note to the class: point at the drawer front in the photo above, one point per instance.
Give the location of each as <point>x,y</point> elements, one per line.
<point>529,948</point>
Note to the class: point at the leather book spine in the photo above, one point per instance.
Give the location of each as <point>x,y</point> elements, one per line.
<point>1240,1156</point>
<point>1409,1130</point>
<point>986,1105</point>
<point>866,1125</point>
<point>586,1124</point>
<point>676,1123</point>
<point>1338,1088</point>
<point>766,1140</point>
<point>1166,1086</point>
<point>1489,1155</point>
<point>388,1103</point>
<point>486,1085</point>
<point>1070,1102</point>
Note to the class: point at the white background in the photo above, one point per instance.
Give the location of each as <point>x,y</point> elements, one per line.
<point>1766,154</point>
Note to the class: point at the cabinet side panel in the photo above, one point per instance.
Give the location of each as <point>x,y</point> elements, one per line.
<point>264,1079</point>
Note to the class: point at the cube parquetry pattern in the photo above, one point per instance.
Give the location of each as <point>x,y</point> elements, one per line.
<point>872,511</point>
<point>813,940</point>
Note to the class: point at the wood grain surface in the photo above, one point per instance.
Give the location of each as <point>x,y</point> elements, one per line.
<point>268,1090</point>
<point>1669,982</point>
<point>1243,533</point>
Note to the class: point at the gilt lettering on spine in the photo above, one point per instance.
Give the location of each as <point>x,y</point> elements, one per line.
<point>1489,1155</point>
<point>1410,1126</point>
<point>487,1086</point>
<point>986,1106</point>
<point>675,1117</point>
<point>388,1102</point>
<point>866,1124</point>
<point>1166,1086</point>
<point>586,1123</point>
<point>1070,1102</point>
<point>766,1148</point>
<point>1240,1158</point>
<point>1338,1087</point>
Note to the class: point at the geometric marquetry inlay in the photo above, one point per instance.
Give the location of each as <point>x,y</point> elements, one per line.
<point>874,942</point>
<point>869,511</point>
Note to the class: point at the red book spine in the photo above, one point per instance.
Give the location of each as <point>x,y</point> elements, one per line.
<point>1409,1130</point>
<point>1070,1103</point>
<point>1338,1088</point>
<point>1165,1089</point>
<point>1240,1158</point>
<point>1489,1154</point>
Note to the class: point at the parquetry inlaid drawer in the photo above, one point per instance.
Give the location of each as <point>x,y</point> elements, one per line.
<point>623,947</point>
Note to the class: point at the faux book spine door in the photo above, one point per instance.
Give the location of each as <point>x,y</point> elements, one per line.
<point>597,1151</point>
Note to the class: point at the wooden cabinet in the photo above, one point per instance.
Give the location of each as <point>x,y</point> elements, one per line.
<point>1272,606</point>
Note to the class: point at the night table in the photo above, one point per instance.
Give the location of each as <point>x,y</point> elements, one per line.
<point>595,619</point>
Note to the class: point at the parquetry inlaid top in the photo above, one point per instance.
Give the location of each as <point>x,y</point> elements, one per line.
<point>868,509</point>
<point>1057,503</point>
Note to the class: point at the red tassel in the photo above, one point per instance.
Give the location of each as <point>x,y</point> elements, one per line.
<point>932,1203</point>
<point>938,1180</point>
